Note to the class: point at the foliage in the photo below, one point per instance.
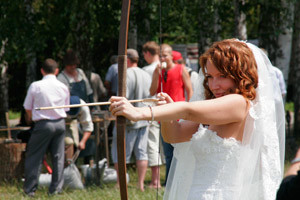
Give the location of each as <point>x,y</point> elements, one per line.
<point>294,75</point>
<point>289,106</point>
<point>39,29</point>
<point>14,115</point>
<point>274,18</point>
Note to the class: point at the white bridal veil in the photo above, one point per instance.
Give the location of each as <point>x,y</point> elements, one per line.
<point>260,168</point>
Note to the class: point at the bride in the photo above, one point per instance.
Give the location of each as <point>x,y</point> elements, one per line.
<point>230,145</point>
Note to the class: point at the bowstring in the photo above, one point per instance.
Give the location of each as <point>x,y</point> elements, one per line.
<point>161,90</point>
<point>160,42</point>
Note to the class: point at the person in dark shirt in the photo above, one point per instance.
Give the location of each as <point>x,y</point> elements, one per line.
<point>290,186</point>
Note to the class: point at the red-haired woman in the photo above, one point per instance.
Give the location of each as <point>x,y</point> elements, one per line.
<point>231,145</point>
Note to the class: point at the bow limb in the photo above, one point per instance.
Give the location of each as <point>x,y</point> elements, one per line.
<point>121,121</point>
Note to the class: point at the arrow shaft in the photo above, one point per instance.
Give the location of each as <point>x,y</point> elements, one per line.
<point>94,104</point>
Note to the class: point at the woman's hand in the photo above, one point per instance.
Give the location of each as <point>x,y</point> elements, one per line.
<point>120,106</point>
<point>164,98</point>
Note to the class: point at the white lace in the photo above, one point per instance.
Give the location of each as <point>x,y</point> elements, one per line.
<point>216,161</point>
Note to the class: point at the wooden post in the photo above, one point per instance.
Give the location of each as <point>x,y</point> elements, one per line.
<point>97,140</point>
<point>8,126</point>
<point>106,122</point>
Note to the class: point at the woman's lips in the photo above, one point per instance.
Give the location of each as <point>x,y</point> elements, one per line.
<point>218,95</point>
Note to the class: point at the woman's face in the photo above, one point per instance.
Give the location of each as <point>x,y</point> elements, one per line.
<point>70,68</point>
<point>218,83</point>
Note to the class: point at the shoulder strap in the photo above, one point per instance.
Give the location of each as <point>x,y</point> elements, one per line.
<point>63,73</point>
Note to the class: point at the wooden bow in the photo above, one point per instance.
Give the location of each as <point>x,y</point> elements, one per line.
<point>121,122</point>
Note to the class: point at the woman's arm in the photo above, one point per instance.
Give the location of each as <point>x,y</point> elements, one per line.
<point>172,130</point>
<point>218,114</point>
<point>176,132</point>
<point>224,110</point>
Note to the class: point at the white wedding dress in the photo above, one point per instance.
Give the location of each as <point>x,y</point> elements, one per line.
<point>216,159</point>
<point>206,167</point>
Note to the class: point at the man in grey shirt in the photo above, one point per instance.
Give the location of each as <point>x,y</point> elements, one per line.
<point>138,82</point>
<point>151,55</point>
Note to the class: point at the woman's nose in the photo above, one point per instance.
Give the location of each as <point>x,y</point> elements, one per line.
<point>214,84</point>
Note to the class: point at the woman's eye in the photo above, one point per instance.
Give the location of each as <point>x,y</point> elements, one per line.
<point>208,76</point>
<point>223,76</point>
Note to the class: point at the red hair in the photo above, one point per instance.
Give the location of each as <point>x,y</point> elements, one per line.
<point>235,60</point>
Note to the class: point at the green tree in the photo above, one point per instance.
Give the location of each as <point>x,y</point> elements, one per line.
<point>294,73</point>
<point>37,29</point>
<point>240,20</point>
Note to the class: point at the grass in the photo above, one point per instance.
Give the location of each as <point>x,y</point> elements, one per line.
<point>289,106</point>
<point>14,115</point>
<point>13,190</point>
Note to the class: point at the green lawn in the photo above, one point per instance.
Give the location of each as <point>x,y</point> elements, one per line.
<point>108,192</point>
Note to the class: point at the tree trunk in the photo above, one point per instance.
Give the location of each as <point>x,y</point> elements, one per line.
<point>285,41</point>
<point>132,35</point>
<point>269,28</point>
<point>132,32</point>
<point>216,27</point>
<point>240,20</point>
<point>294,74</point>
<point>31,74</point>
<point>3,85</point>
<point>205,18</point>
<point>82,35</point>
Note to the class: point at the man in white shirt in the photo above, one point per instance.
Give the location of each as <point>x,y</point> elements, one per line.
<point>281,81</point>
<point>49,128</point>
